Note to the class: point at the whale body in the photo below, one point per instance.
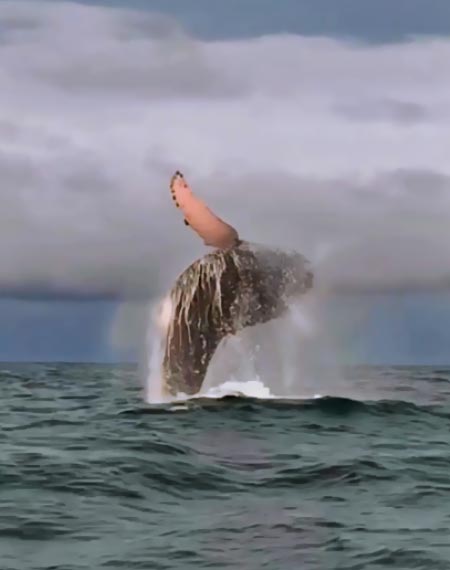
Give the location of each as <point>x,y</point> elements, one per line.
<point>240,284</point>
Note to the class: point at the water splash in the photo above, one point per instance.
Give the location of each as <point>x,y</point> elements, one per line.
<point>202,320</point>
<point>250,389</point>
<point>159,316</point>
<point>271,360</point>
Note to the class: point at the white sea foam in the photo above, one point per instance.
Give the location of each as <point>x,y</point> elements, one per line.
<point>250,389</point>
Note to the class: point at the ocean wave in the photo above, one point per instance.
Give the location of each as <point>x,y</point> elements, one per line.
<point>93,478</point>
<point>254,395</point>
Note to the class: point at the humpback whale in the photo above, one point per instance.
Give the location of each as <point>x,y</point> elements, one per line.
<point>237,285</point>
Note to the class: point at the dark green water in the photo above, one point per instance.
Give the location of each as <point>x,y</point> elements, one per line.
<point>91,478</point>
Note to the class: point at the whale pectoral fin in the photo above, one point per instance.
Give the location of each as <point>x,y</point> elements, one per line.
<point>214,231</point>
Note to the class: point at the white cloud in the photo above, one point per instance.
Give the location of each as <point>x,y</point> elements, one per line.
<point>337,149</point>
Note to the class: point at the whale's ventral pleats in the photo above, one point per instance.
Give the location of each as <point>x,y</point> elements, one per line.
<point>219,295</point>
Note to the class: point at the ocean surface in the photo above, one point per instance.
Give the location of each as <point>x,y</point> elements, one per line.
<point>91,477</point>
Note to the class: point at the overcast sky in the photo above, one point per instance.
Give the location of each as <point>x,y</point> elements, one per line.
<point>303,125</point>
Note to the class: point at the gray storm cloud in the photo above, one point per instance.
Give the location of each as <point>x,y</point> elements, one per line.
<point>336,149</point>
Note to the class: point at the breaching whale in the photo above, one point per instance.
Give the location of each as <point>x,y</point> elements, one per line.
<point>239,284</point>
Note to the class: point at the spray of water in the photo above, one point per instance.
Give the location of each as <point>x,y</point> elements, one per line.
<point>290,357</point>
<point>159,315</point>
<point>277,359</point>
<point>301,355</point>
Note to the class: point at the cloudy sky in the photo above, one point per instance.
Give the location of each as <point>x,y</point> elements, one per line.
<point>317,125</point>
